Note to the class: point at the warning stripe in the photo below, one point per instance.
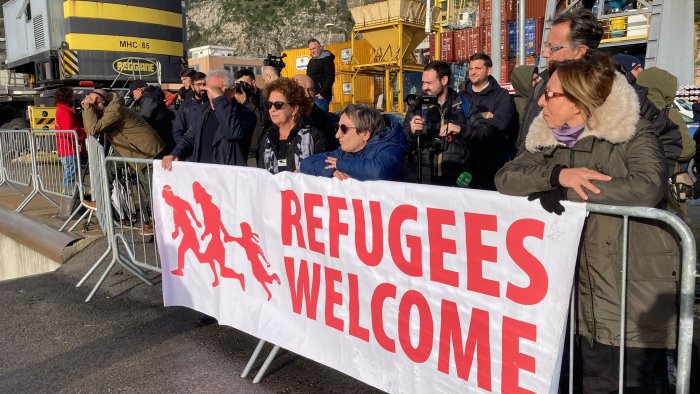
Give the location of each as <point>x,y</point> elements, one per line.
<point>100,10</point>
<point>69,62</point>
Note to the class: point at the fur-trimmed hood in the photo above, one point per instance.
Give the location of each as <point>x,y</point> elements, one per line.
<point>615,121</point>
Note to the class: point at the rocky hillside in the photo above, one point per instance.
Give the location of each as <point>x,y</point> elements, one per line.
<point>258,27</point>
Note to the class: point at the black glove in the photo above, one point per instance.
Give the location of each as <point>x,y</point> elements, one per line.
<point>550,200</point>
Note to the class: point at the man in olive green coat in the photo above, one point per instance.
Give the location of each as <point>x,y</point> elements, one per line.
<point>129,134</point>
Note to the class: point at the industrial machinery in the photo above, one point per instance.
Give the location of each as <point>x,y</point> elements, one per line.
<point>81,43</point>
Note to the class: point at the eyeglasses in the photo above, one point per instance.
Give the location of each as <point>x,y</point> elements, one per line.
<point>554,48</point>
<point>277,104</point>
<point>200,84</point>
<point>548,95</point>
<point>344,128</point>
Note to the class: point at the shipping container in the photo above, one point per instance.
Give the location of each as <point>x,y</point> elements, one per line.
<point>531,60</point>
<point>473,41</point>
<point>539,30</point>
<point>507,67</point>
<point>460,44</point>
<point>447,50</point>
<point>486,40</point>
<point>535,8</point>
<point>530,38</point>
<point>509,11</point>
<point>431,43</point>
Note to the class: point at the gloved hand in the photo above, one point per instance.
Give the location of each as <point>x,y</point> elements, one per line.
<point>682,186</point>
<point>550,200</point>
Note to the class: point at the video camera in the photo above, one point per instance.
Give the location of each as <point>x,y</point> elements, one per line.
<point>276,62</point>
<point>429,138</point>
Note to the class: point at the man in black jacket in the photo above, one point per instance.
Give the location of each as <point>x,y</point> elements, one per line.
<point>150,101</point>
<point>221,131</point>
<point>441,133</point>
<point>495,106</point>
<point>573,34</point>
<point>320,118</point>
<point>184,114</point>
<point>321,69</point>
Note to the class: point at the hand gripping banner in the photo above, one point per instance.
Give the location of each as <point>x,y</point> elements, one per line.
<point>409,288</point>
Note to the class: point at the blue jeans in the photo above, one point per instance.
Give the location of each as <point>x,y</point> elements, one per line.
<point>323,103</point>
<point>70,167</point>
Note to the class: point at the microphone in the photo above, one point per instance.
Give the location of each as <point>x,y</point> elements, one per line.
<point>464,179</point>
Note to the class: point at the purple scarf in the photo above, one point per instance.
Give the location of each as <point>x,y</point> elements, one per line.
<point>568,135</point>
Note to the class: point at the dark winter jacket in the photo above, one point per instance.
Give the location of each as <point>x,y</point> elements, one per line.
<point>443,168</point>
<point>488,156</point>
<point>184,116</point>
<point>232,138</point>
<point>304,141</point>
<point>322,72</point>
<point>664,128</point>
<point>262,117</point>
<point>327,122</point>
<point>381,159</point>
<point>152,108</point>
<point>662,86</point>
<point>623,145</point>
<point>521,78</point>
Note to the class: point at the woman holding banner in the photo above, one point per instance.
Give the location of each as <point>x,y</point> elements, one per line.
<point>372,147</point>
<point>589,144</point>
<point>289,139</point>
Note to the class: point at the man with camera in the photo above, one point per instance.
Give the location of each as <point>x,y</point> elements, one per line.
<point>221,131</point>
<point>248,94</point>
<point>436,126</point>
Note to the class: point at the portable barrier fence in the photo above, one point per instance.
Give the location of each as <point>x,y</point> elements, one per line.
<point>686,299</point>
<point>30,158</point>
<point>122,197</point>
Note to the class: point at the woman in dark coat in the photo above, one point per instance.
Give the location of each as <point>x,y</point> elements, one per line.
<point>290,138</point>
<point>590,144</point>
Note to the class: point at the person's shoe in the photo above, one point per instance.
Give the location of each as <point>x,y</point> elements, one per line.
<point>206,321</point>
<point>89,204</point>
<point>146,230</point>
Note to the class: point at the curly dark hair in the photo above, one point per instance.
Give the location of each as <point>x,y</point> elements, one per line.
<point>63,95</point>
<point>293,93</point>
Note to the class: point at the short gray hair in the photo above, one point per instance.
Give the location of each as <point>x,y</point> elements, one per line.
<point>223,74</point>
<point>365,118</point>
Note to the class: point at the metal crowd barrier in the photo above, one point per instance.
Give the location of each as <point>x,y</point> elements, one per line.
<point>686,297</point>
<point>15,149</point>
<point>122,206</point>
<point>30,158</point>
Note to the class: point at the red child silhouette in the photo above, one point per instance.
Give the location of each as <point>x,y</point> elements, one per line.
<point>189,239</point>
<point>215,252</point>
<point>249,242</point>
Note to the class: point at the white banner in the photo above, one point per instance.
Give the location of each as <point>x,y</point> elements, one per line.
<point>406,287</point>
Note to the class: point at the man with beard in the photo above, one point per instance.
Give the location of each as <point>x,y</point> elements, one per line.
<point>220,132</point>
<point>325,121</point>
<point>494,105</point>
<point>184,114</point>
<point>438,132</point>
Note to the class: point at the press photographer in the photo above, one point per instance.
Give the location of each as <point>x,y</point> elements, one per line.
<point>436,126</point>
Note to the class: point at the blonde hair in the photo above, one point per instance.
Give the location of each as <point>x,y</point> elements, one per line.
<point>586,82</point>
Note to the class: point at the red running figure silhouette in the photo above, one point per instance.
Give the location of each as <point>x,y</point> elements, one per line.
<point>249,242</point>
<point>215,253</point>
<point>183,223</point>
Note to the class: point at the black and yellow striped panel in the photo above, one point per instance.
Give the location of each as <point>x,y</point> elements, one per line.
<point>69,63</point>
<point>135,26</point>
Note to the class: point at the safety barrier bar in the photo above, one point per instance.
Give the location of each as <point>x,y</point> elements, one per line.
<point>31,158</point>
<point>685,314</point>
<point>131,201</point>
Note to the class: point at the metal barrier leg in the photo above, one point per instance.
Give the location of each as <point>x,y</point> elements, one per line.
<point>266,364</point>
<point>253,358</point>
<point>102,279</point>
<point>94,266</point>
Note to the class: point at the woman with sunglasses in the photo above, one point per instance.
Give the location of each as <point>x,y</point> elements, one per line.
<point>372,147</point>
<point>590,144</point>
<point>289,138</point>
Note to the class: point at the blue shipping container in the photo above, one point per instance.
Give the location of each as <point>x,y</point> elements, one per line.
<point>530,37</point>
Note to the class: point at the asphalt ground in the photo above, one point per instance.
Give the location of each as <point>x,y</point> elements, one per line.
<point>125,341</point>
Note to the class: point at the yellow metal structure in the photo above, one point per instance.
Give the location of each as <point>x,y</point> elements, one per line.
<point>393,28</point>
<point>42,117</point>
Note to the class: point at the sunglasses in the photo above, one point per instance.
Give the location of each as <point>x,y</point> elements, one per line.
<point>344,128</point>
<point>277,104</point>
<point>548,95</point>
